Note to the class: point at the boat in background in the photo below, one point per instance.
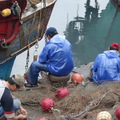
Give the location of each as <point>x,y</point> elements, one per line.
<point>22,25</point>
<point>93,33</point>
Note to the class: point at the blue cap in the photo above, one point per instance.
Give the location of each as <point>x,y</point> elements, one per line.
<point>51,32</point>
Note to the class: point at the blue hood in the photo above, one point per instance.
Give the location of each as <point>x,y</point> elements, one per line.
<point>111,54</point>
<point>106,67</point>
<point>57,40</point>
<point>58,56</point>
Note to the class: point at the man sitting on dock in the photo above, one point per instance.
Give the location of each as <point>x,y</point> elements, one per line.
<point>56,58</point>
<point>8,104</point>
<point>106,66</point>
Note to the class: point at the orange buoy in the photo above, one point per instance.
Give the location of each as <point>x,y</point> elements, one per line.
<point>77,78</point>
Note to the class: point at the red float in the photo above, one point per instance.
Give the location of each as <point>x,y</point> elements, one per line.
<point>47,104</point>
<point>62,92</point>
<point>76,78</point>
<point>41,119</point>
<point>117,112</point>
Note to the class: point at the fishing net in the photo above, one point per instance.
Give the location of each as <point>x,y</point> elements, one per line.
<point>80,104</point>
<point>83,103</point>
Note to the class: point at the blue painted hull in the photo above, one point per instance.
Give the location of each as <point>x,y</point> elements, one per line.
<point>5,69</point>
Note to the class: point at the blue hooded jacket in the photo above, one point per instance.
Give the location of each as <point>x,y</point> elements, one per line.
<point>58,56</point>
<point>106,67</point>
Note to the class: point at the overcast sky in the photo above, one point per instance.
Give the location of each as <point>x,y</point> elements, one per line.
<point>70,7</point>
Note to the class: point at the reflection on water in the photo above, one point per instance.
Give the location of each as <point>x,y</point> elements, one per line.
<point>90,35</point>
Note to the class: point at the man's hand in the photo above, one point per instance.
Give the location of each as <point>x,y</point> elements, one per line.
<point>22,117</point>
<point>23,111</point>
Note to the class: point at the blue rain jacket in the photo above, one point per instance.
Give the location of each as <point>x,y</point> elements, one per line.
<point>106,67</point>
<point>58,56</point>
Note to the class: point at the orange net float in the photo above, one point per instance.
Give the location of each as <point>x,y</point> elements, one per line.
<point>76,78</point>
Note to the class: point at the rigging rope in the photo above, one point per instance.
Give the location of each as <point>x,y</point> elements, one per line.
<point>35,56</point>
<point>27,58</point>
<point>32,4</point>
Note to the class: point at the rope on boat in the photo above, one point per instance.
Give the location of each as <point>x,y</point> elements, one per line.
<point>35,55</point>
<point>32,4</point>
<point>27,58</point>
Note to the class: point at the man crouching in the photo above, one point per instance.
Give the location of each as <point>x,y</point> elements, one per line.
<point>9,104</point>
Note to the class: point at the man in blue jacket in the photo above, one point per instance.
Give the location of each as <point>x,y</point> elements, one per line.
<point>56,58</point>
<point>106,66</point>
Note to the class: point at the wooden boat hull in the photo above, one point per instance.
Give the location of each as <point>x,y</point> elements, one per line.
<point>31,31</point>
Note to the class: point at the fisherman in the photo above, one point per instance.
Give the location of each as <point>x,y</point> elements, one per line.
<point>56,58</point>
<point>9,104</point>
<point>106,66</point>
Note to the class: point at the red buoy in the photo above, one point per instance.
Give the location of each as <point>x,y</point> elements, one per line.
<point>76,78</point>
<point>41,119</point>
<point>117,112</point>
<point>47,104</point>
<point>62,92</point>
